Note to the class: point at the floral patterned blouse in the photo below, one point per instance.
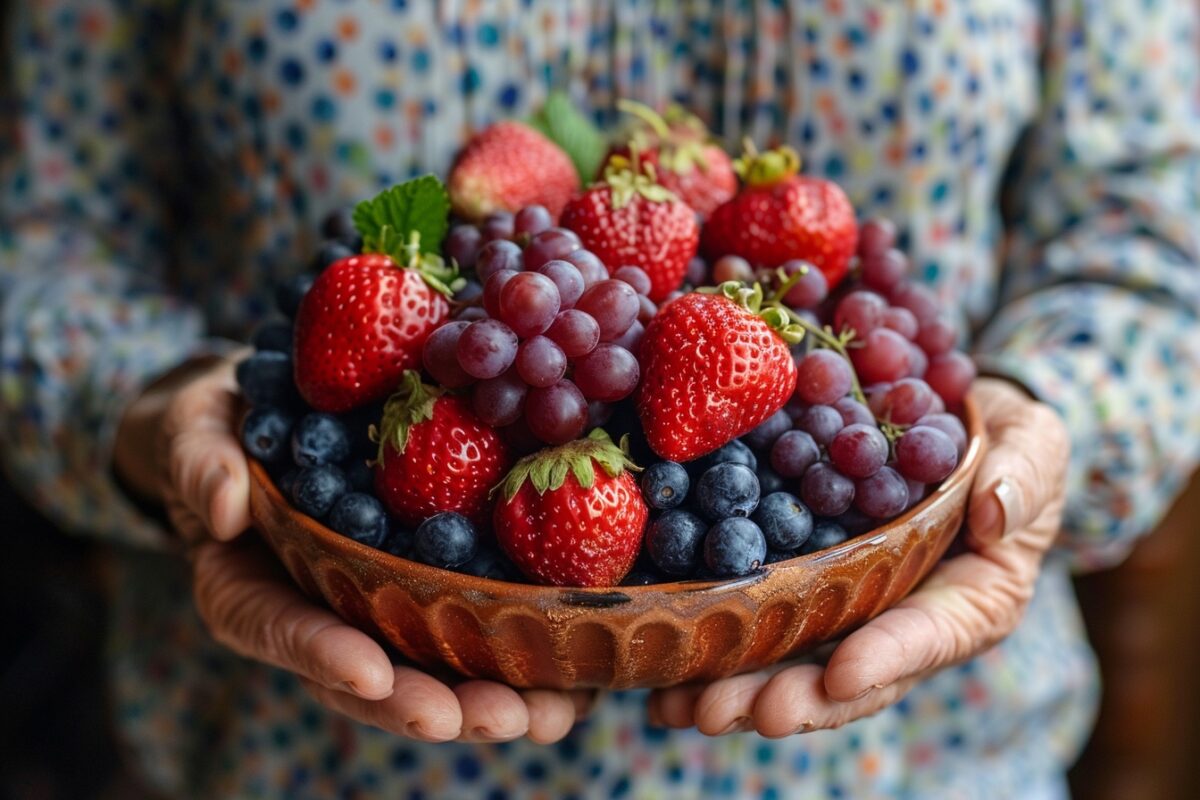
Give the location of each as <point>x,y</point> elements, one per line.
<point>163,163</point>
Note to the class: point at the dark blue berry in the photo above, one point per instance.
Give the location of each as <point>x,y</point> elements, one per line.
<point>319,438</point>
<point>734,546</point>
<point>854,522</point>
<point>639,578</point>
<point>665,484</point>
<point>785,521</point>
<point>266,379</point>
<point>489,562</point>
<point>732,453</point>
<point>470,290</point>
<point>674,542</point>
<point>317,488</point>
<point>775,556</point>
<point>329,252</point>
<point>339,224</point>
<point>399,541</point>
<point>770,429</point>
<point>769,480</point>
<point>826,534</point>
<point>446,540</point>
<point>727,490</point>
<point>360,517</point>
<point>265,434</point>
<point>359,474</point>
<point>275,335</point>
<point>286,481</point>
<point>290,293</point>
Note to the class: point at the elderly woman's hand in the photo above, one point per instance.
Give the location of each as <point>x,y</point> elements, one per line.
<point>178,442</point>
<point>968,603</point>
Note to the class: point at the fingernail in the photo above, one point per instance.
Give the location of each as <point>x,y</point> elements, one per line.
<point>739,725</point>
<point>1010,503</point>
<point>873,687</point>
<point>414,730</point>
<point>485,735</point>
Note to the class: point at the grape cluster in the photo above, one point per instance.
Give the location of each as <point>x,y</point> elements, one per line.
<point>543,336</point>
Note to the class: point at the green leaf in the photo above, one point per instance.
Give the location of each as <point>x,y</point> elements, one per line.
<point>388,220</point>
<point>562,123</point>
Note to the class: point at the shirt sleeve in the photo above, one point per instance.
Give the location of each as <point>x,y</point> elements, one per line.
<point>1102,278</point>
<point>85,320</point>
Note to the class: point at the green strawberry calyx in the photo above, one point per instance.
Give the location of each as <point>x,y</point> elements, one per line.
<point>408,223</point>
<point>410,405</point>
<point>752,299</point>
<point>546,470</point>
<point>679,135</point>
<point>766,169</point>
<point>627,178</point>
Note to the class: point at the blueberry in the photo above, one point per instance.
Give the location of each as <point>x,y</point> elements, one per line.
<point>855,522</point>
<point>266,379</point>
<point>265,434</point>
<point>276,335</point>
<point>471,290</point>
<point>290,293</point>
<point>769,480</point>
<point>360,517</point>
<point>399,541</point>
<point>316,489</point>
<point>674,542</point>
<point>727,490</point>
<point>735,452</point>
<point>785,521</point>
<point>445,540</point>
<point>319,438</point>
<point>286,481</point>
<point>339,224</point>
<point>775,556</point>
<point>359,474</point>
<point>665,484</point>
<point>734,546</point>
<point>826,534</point>
<point>489,562</point>
<point>329,252</point>
<point>770,429</point>
<point>639,578</point>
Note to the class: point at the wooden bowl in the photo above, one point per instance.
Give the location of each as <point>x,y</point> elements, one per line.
<point>644,636</point>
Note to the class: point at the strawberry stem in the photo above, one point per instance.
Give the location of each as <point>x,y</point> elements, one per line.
<point>647,115</point>
<point>547,469</point>
<point>627,178</point>
<point>411,404</point>
<point>766,169</point>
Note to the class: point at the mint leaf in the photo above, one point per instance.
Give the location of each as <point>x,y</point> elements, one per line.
<point>388,220</point>
<point>562,123</point>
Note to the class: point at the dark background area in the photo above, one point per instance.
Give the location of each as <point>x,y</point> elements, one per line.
<point>56,739</point>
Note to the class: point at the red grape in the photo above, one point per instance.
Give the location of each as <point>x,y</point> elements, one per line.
<point>495,256</point>
<point>948,424</point>
<point>937,336</point>
<point>854,412</point>
<point>793,453</point>
<point>486,348</point>
<point>439,356</point>
<point>908,400</point>
<point>491,291</point>
<point>575,332</point>
<point>821,422</point>
<point>882,495</point>
<point>540,362</point>
<point>732,268</point>
<point>884,270</point>
<point>810,289</point>
<point>918,362</point>
<point>613,303</point>
<point>590,266</point>
<point>876,236</point>
<point>646,309</point>
<point>531,220</point>
<point>529,303</point>
<point>567,278</point>
<point>556,414</point>
<point>858,450</point>
<point>925,454</point>
<point>462,245</point>
<point>631,339</point>
<point>499,401</point>
<point>609,373</point>
<point>875,393</point>
<point>599,414</point>
<point>902,321</point>
<point>635,277</point>
<point>697,272</point>
<point>471,313</point>
<point>826,491</point>
<point>917,298</point>
<point>860,311</point>
<point>883,357</point>
<point>823,377</point>
<point>950,375</point>
<point>497,225</point>
<point>550,244</point>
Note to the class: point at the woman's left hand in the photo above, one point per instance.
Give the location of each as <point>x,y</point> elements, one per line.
<point>966,605</point>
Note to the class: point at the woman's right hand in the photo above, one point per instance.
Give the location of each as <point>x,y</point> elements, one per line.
<point>178,441</point>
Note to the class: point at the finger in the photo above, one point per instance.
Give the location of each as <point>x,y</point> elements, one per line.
<point>727,706</point>
<point>420,708</point>
<point>794,700</point>
<point>491,712</point>
<point>967,605</point>
<point>676,707</point>
<point>249,606</point>
<point>1025,466</point>
<point>551,715</point>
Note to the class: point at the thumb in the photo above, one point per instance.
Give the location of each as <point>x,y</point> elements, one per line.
<point>1025,465</point>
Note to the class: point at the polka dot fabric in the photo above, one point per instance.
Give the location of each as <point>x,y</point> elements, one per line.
<point>162,165</point>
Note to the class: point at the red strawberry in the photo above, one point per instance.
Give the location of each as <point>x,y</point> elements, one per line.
<point>779,215</point>
<point>697,171</point>
<point>508,166</point>
<point>629,219</point>
<point>435,455</point>
<point>564,522</point>
<point>361,325</point>
<point>712,369</point>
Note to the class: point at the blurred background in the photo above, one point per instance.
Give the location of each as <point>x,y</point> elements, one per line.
<point>56,742</point>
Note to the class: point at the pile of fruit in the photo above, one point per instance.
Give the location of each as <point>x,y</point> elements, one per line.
<point>666,373</point>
